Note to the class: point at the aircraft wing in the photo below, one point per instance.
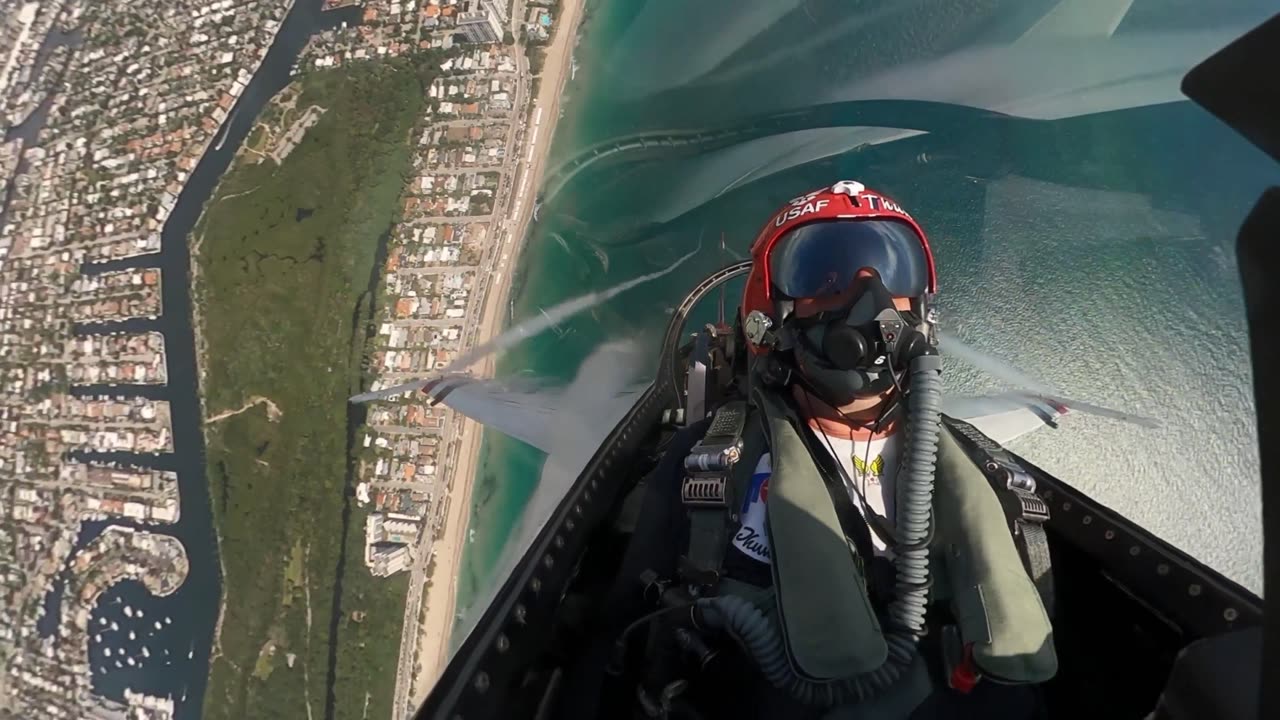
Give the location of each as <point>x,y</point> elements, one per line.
<point>570,424</point>
<point>567,422</point>
<point>552,419</point>
<point>525,415</point>
<point>1007,416</point>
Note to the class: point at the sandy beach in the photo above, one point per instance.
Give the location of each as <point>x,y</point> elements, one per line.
<point>433,642</point>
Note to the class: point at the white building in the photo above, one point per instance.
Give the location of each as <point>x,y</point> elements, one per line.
<point>388,559</point>
<point>480,23</point>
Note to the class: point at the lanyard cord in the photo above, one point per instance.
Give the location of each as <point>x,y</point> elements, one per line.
<point>874,520</point>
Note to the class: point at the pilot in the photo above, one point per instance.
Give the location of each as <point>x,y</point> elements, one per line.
<point>892,582</point>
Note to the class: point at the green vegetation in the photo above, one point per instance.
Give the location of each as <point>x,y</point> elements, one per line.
<point>293,575</point>
<point>285,306</point>
<point>537,58</point>
<point>376,635</point>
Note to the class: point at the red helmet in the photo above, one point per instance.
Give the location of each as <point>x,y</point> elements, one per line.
<point>816,244</point>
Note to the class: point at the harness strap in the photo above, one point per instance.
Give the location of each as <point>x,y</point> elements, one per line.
<point>1034,548</point>
<point>1024,510</point>
<point>707,492</point>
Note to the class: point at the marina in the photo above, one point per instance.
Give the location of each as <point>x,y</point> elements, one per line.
<point>175,661</point>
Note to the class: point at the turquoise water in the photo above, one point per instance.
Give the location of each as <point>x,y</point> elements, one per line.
<point>1083,218</point>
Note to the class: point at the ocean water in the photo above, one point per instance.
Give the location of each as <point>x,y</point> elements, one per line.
<point>1082,215</point>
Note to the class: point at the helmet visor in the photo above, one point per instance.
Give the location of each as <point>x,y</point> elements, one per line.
<point>824,258</point>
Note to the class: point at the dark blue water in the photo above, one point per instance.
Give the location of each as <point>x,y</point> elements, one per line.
<point>168,669</point>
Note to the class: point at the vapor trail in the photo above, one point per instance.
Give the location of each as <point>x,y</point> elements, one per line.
<point>955,347</point>
<point>529,328</point>
<point>1032,388</point>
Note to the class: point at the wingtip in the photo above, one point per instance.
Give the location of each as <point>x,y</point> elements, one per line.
<point>422,383</point>
<point>1065,405</point>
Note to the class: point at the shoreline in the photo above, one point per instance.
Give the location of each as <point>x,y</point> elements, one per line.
<point>436,628</point>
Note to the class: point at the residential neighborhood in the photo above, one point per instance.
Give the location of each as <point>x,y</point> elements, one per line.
<point>107,109</point>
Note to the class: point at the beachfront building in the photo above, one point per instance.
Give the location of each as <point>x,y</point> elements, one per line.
<point>480,23</point>
<point>387,558</point>
<point>387,538</point>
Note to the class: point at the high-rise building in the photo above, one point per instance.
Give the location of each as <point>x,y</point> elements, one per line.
<point>373,528</point>
<point>499,8</point>
<point>388,558</point>
<point>480,22</point>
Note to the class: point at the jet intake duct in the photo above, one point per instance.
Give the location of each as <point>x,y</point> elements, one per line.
<point>759,635</point>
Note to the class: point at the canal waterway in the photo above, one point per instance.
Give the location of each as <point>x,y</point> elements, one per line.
<point>179,650</point>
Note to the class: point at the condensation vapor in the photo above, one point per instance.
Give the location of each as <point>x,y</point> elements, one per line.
<point>556,315</point>
<point>951,345</point>
<point>545,321</point>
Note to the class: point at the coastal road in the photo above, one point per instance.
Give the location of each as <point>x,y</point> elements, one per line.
<point>404,430</point>
<point>465,170</point>
<point>411,630</point>
<point>399,485</point>
<point>429,322</point>
<point>484,317</point>
<point>487,74</point>
<point>469,122</point>
<point>412,684</point>
<point>438,270</point>
<point>395,377</point>
<point>449,219</point>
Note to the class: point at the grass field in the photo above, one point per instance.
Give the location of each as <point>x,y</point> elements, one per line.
<point>285,297</point>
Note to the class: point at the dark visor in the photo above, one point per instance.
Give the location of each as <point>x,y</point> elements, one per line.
<point>823,258</point>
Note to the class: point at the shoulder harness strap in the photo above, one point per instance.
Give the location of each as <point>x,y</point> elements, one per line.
<point>707,491</point>
<point>1023,508</point>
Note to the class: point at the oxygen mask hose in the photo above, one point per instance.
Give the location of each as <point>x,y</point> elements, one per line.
<point>906,612</point>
